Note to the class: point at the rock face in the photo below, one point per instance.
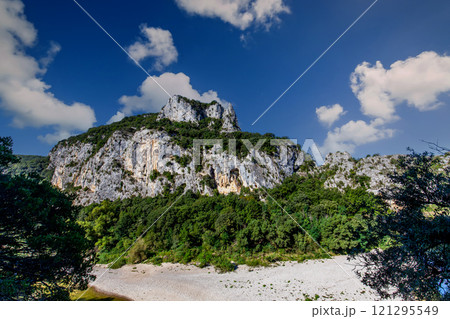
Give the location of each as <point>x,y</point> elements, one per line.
<point>372,170</point>
<point>147,162</point>
<point>180,109</point>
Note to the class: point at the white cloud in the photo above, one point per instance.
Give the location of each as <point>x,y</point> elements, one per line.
<point>51,54</point>
<point>239,13</point>
<point>119,116</point>
<point>244,38</point>
<point>151,98</point>
<point>267,11</point>
<point>353,134</point>
<point>52,138</point>
<point>158,43</point>
<point>329,114</point>
<point>418,81</point>
<point>23,94</point>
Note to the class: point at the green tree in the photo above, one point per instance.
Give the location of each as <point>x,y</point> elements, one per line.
<point>6,153</point>
<point>44,253</point>
<point>416,263</point>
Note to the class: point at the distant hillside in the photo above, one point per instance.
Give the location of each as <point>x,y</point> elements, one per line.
<point>372,172</point>
<point>32,164</point>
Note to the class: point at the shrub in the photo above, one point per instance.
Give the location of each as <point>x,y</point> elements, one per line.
<point>139,252</point>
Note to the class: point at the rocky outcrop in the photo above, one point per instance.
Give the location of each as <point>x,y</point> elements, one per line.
<point>181,109</point>
<point>148,163</point>
<point>372,171</point>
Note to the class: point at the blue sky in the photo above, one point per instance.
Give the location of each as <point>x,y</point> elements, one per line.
<point>60,74</point>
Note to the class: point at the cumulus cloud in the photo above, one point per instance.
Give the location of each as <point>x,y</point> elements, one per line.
<point>151,98</point>
<point>239,13</point>
<point>329,114</point>
<point>23,94</point>
<point>119,116</point>
<point>52,138</point>
<point>418,81</point>
<point>353,134</point>
<point>157,43</point>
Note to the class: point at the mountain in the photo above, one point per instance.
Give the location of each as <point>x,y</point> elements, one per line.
<point>150,154</point>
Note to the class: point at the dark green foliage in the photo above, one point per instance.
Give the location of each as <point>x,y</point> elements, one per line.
<point>183,160</point>
<point>361,180</point>
<point>72,164</point>
<point>240,228</point>
<point>154,175</point>
<point>169,176</point>
<point>44,254</point>
<point>343,233</point>
<point>209,182</point>
<point>415,265</point>
<point>6,153</point>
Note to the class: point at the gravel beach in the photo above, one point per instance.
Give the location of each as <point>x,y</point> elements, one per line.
<point>313,279</point>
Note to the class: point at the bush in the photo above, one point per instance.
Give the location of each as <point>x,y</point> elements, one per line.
<point>119,263</point>
<point>139,252</point>
<point>223,264</point>
<point>183,160</point>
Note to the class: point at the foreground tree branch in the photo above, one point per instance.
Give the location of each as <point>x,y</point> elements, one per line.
<point>415,265</point>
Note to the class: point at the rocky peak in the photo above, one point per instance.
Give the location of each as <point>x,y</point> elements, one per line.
<point>181,109</point>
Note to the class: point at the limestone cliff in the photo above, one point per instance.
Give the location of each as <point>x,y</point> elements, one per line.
<point>150,154</point>
<point>142,159</point>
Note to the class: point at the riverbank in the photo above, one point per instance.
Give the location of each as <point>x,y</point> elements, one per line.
<point>328,279</point>
<point>95,294</point>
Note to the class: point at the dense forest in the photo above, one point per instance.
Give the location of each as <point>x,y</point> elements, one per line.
<point>225,230</point>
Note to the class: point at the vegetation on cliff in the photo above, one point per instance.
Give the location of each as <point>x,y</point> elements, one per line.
<point>181,133</point>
